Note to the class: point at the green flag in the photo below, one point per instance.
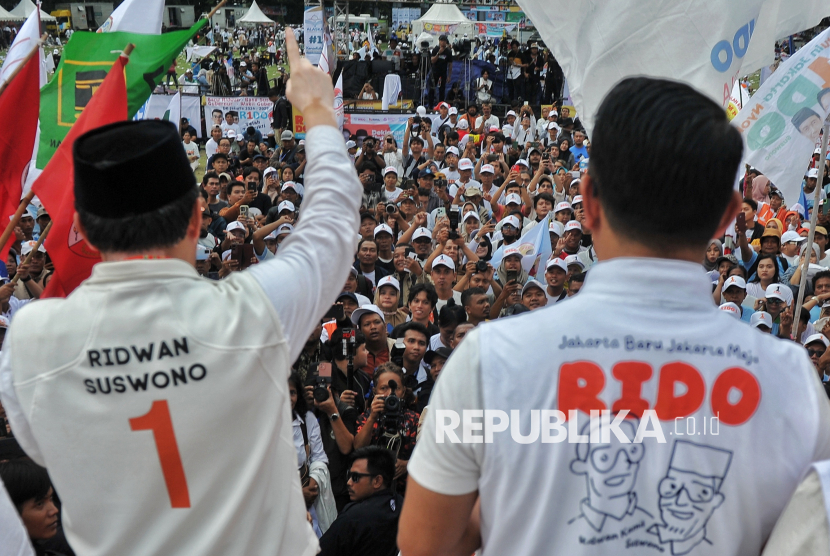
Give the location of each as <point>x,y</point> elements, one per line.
<point>85,62</point>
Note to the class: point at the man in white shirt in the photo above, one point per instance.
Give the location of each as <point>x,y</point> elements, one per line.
<point>125,407</point>
<point>487,118</point>
<point>643,483</point>
<point>212,144</point>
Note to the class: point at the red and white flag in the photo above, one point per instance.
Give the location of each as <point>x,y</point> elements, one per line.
<point>19,103</point>
<point>72,257</point>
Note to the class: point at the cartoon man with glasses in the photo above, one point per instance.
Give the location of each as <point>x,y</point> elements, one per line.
<point>610,471</point>
<point>689,494</point>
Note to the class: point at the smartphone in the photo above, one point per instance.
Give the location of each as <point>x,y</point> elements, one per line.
<point>324,368</point>
<point>413,255</point>
<point>243,211</point>
<point>442,212</point>
<point>492,157</point>
<point>516,168</point>
<point>741,221</point>
<point>335,312</point>
<point>242,254</point>
<point>512,276</point>
<point>575,175</point>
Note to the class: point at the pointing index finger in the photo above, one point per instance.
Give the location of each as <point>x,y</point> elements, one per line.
<point>292,49</point>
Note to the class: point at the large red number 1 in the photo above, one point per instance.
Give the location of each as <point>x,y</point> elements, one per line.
<point>158,420</point>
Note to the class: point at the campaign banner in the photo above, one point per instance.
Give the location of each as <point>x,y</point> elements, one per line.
<point>246,111</point>
<point>376,125</point>
<point>495,16</point>
<point>156,106</point>
<point>494,29</point>
<point>414,13</point>
<point>781,122</point>
<point>472,15</point>
<point>440,29</point>
<point>313,33</point>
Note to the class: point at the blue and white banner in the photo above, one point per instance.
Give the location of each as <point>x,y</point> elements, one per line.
<point>313,34</point>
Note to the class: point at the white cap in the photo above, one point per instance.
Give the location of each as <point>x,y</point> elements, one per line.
<point>556,227</point>
<point>383,228</point>
<point>574,259</point>
<point>532,283</point>
<point>760,318</point>
<point>776,291</point>
<point>285,205</point>
<point>463,125</point>
<point>365,310</point>
<point>235,225</point>
<point>513,199</point>
<point>452,150</point>
<point>421,232</point>
<point>231,134</point>
<point>558,263</point>
<point>351,144</point>
<point>390,170</point>
<point>465,164</point>
<point>510,113</point>
<point>472,214</point>
<point>296,187</point>
<point>202,252</point>
<point>443,260</point>
<point>268,171</point>
<point>523,162</point>
<point>389,281</point>
<point>27,247</point>
<point>564,205</point>
<point>512,220</point>
<point>453,110</point>
<point>421,110</point>
<point>732,309</point>
<point>553,125</point>
<point>494,129</point>
<point>576,199</point>
<point>812,173</point>
<point>512,251</point>
<point>487,168</point>
<point>734,281</point>
<point>283,229</point>
<point>817,338</point>
<point>790,236</point>
<point>573,225</point>
<point>817,151</point>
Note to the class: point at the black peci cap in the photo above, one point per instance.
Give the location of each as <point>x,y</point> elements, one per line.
<point>111,165</point>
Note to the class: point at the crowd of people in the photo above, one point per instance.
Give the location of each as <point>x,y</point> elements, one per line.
<point>442,219</point>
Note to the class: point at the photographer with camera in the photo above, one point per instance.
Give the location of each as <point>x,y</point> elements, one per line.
<point>387,422</point>
<point>369,157</point>
<point>441,59</point>
<point>415,137</point>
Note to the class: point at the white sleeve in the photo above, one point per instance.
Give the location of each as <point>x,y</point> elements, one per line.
<point>315,439</point>
<point>314,261</point>
<point>448,467</point>
<point>14,411</point>
<point>14,540</point>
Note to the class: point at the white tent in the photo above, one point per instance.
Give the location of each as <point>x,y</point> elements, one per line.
<point>361,19</point>
<point>6,16</point>
<point>255,15</point>
<point>26,7</point>
<point>443,19</point>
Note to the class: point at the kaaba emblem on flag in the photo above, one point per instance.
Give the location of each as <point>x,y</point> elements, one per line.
<point>86,83</point>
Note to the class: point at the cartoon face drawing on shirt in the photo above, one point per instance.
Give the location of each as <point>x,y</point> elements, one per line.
<point>610,471</point>
<point>690,494</point>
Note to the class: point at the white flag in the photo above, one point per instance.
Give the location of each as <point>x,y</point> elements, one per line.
<point>23,44</point>
<point>781,122</point>
<point>174,110</point>
<point>324,55</point>
<point>136,16</point>
<point>535,248</point>
<point>700,42</point>
<point>338,102</point>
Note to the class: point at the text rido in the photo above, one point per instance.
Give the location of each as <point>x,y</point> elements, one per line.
<point>581,383</point>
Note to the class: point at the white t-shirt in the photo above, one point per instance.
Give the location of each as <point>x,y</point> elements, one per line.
<point>493,120</point>
<point>211,147</point>
<point>392,196</point>
<point>456,295</point>
<point>191,149</point>
<point>739,468</point>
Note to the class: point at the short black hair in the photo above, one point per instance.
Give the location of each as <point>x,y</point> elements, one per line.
<point>379,461</point>
<point>160,228</point>
<point>678,128</point>
<point>416,326</point>
<point>208,175</point>
<point>235,183</point>
<point>451,315</point>
<point>366,239</point>
<point>24,480</point>
<point>580,278</point>
<point>217,156</point>
<point>820,275</point>
<point>432,295</point>
<point>248,170</point>
<point>467,294</point>
<point>543,196</point>
<point>751,202</point>
<point>416,139</point>
<point>301,407</point>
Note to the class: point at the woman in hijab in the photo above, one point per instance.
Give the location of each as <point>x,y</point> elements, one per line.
<point>713,252</point>
<point>760,189</point>
<point>565,154</point>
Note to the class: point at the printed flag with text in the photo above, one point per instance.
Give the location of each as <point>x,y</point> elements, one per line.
<point>72,257</point>
<point>85,62</point>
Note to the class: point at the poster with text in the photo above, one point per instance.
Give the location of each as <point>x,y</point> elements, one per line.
<point>246,111</point>
<point>313,34</point>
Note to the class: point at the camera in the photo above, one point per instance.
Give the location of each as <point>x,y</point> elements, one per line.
<point>391,209</point>
<point>481,267</point>
<point>416,122</point>
<point>463,46</point>
<point>396,353</point>
<point>321,380</point>
<point>454,219</point>
<point>424,45</point>
<point>392,411</point>
<point>440,182</point>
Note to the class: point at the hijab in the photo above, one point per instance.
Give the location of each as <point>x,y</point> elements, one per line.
<point>760,189</point>
<point>706,264</point>
<point>501,272</point>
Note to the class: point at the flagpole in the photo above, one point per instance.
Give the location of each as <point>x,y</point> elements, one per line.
<point>22,63</point>
<point>15,220</point>
<point>35,248</point>
<point>810,236</point>
<point>179,123</point>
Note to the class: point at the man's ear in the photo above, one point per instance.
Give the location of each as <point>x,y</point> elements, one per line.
<point>591,207</point>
